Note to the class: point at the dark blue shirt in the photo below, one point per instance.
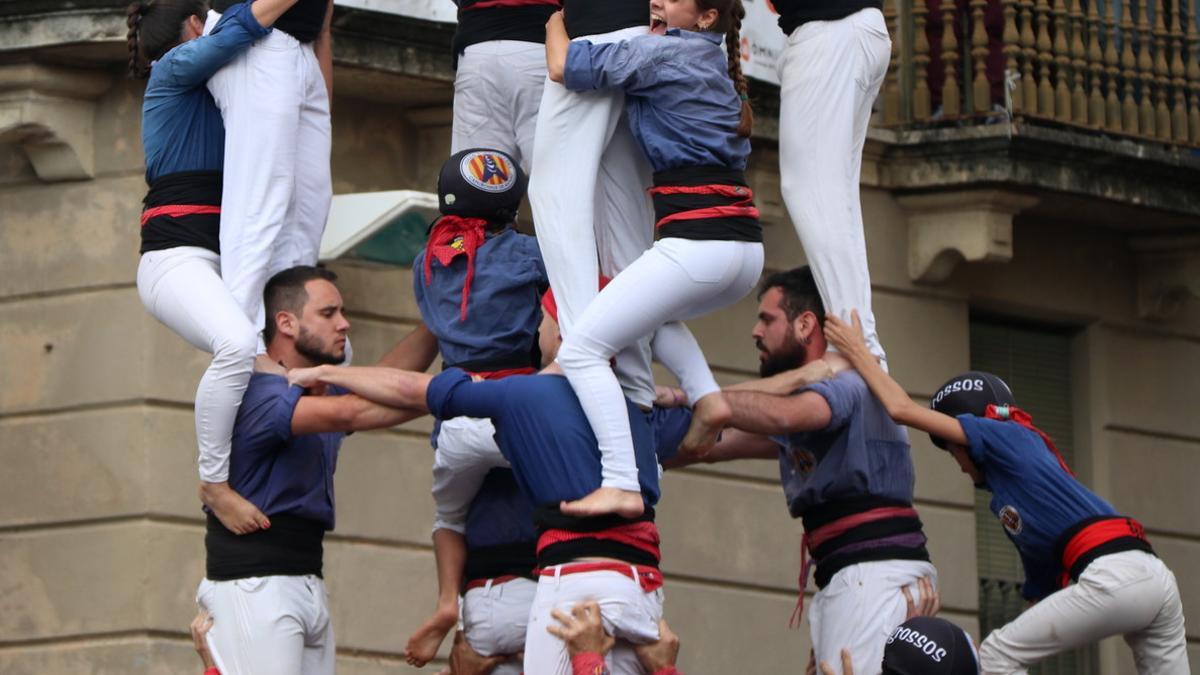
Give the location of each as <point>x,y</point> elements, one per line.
<point>681,103</point>
<point>1034,498</point>
<point>500,514</point>
<point>861,453</point>
<point>503,309</point>
<point>181,124</point>
<point>276,471</point>
<point>542,432</point>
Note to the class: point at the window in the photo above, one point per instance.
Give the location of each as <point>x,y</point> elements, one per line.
<point>1036,363</point>
<point>384,227</point>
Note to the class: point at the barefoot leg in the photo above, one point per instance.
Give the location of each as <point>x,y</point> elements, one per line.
<point>709,416</point>
<point>233,510</point>
<point>450,554</point>
<point>624,503</point>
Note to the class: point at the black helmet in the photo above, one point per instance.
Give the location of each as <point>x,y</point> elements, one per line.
<point>927,645</point>
<point>970,394</point>
<point>481,183</point>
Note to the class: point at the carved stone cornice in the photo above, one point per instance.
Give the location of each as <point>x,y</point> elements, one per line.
<point>48,112</point>
<point>947,228</point>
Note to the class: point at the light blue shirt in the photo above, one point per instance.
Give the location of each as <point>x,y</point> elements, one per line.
<point>681,103</point>
<point>182,128</point>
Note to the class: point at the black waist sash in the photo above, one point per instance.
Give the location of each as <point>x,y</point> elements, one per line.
<point>292,546</point>
<point>183,209</point>
<point>705,203</point>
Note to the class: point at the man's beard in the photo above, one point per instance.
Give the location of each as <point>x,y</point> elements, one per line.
<point>789,355</point>
<point>311,348</point>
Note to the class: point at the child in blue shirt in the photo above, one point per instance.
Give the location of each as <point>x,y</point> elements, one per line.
<point>1064,532</point>
<point>179,276</point>
<point>685,99</point>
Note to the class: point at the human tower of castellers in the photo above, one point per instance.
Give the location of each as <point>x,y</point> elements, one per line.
<point>550,433</point>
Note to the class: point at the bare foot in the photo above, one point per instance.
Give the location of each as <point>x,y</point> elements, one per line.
<point>625,503</point>
<point>237,514</point>
<point>709,416</point>
<point>423,644</point>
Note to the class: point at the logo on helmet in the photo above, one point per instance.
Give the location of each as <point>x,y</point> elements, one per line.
<point>488,171</point>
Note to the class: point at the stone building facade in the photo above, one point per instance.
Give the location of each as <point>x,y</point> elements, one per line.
<point>1093,240</point>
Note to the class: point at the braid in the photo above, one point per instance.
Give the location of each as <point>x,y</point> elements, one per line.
<point>733,44</point>
<point>133,19</point>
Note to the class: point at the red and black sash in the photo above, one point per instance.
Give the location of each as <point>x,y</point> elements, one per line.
<point>1094,537</point>
<point>705,203</point>
<point>489,20</point>
<point>183,209</point>
<point>565,539</point>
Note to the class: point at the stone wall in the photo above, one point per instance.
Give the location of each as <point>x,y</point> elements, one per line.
<point>100,533</point>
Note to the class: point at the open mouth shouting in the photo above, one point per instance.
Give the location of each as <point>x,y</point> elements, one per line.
<point>658,23</point>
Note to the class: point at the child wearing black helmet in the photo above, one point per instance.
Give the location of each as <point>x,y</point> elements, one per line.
<point>478,284</point>
<point>1090,571</point>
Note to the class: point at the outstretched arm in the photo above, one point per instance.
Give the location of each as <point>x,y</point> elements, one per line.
<point>790,380</point>
<point>769,414</point>
<point>323,414</point>
<point>848,338</point>
<point>734,444</point>
<point>385,386</point>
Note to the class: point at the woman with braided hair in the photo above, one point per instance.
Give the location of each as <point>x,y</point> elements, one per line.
<point>179,278</point>
<point>686,103</point>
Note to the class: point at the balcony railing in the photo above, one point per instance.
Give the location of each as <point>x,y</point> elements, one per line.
<point>1119,67</point>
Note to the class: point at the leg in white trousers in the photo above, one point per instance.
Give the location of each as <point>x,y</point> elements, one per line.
<point>277,185</point>
<point>859,609</point>
<point>466,452</point>
<point>589,203</point>
<point>497,91</point>
<point>495,617</point>
<point>676,280</point>
<point>276,625</point>
<point>830,73</point>
<point>182,288</point>
<point>1130,593</point>
<point>630,614</point>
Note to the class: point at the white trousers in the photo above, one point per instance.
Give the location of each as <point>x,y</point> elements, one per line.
<point>830,73</point>
<point>630,614</point>
<point>277,185</point>
<point>590,206</point>
<point>676,280</point>
<point>276,625</point>
<point>497,91</point>
<point>466,452</point>
<point>182,288</point>
<point>1130,593</point>
<point>494,619</point>
<point>859,609</point>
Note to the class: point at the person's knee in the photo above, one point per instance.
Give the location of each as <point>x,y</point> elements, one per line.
<point>577,354</point>
<point>993,660</point>
<point>236,349</point>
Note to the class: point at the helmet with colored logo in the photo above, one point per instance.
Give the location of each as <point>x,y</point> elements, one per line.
<point>970,394</point>
<point>481,183</point>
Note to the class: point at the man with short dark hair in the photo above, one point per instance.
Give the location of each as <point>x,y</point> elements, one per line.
<point>264,590</point>
<point>846,472</point>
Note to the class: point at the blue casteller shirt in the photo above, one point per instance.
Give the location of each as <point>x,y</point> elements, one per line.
<point>276,471</point>
<point>182,128</point>
<point>542,432</point>
<point>503,309</point>
<point>681,103</point>
<point>501,514</point>
<point>1035,500</point>
<point>861,453</point>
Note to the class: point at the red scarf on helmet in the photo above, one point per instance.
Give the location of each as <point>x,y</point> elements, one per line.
<point>442,245</point>
<point>1011,413</point>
